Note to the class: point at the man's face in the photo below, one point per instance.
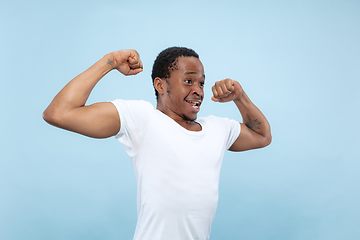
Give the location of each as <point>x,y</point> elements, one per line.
<point>184,89</point>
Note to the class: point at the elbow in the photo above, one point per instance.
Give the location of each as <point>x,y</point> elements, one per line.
<point>51,117</point>
<point>47,116</point>
<point>265,140</point>
<point>268,140</point>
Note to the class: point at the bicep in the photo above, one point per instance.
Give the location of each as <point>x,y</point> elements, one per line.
<point>247,140</point>
<point>99,120</point>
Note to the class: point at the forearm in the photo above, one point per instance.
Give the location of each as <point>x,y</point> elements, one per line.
<point>253,118</point>
<point>255,131</point>
<point>77,91</point>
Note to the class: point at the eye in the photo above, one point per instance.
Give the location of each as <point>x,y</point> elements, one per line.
<point>201,84</point>
<point>188,81</point>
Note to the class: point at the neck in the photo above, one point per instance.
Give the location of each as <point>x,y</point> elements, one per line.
<point>190,125</point>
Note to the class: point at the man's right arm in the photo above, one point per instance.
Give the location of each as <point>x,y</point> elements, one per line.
<point>100,120</point>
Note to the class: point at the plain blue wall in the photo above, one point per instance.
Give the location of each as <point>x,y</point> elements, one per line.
<point>298,61</point>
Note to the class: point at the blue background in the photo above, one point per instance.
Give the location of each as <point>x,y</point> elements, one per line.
<point>299,62</point>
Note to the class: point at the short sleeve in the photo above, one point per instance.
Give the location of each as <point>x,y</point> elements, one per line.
<point>234,132</point>
<point>224,129</point>
<point>134,117</point>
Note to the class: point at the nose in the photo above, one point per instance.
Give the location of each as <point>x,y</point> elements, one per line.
<point>197,89</point>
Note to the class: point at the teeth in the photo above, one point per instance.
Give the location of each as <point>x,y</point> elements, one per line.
<point>197,103</point>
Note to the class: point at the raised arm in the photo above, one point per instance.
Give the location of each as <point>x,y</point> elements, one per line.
<point>100,120</point>
<point>255,129</point>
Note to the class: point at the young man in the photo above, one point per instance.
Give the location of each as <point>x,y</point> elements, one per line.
<point>177,157</point>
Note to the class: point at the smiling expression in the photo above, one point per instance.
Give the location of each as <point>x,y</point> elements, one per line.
<point>183,91</point>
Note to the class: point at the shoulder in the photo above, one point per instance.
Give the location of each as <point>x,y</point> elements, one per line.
<point>132,103</point>
<point>133,111</point>
<point>133,106</point>
<point>214,120</point>
<point>134,116</point>
<point>222,129</point>
<point>220,123</point>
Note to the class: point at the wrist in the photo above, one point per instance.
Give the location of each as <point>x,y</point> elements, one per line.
<point>240,96</point>
<point>109,59</point>
<point>103,65</point>
<point>108,63</point>
<point>242,99</point>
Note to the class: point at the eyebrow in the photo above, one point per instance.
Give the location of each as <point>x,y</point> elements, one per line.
<point>188,73</point>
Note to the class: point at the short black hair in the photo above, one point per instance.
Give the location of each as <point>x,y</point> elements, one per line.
<point>165,62</point>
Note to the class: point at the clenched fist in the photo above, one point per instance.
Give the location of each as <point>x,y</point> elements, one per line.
<point>127,62</point>
<point>226,90</point>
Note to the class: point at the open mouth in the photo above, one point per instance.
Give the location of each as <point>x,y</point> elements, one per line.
<point>194,103</point>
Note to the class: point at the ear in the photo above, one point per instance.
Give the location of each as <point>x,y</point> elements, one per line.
<point>159,85</point>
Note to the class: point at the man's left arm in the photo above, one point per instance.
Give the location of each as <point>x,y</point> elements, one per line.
<point>255,129</point>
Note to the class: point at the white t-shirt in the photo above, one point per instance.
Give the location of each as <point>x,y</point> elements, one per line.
<point>177,170</point>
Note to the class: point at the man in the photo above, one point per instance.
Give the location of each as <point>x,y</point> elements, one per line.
<point>177,157</point>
